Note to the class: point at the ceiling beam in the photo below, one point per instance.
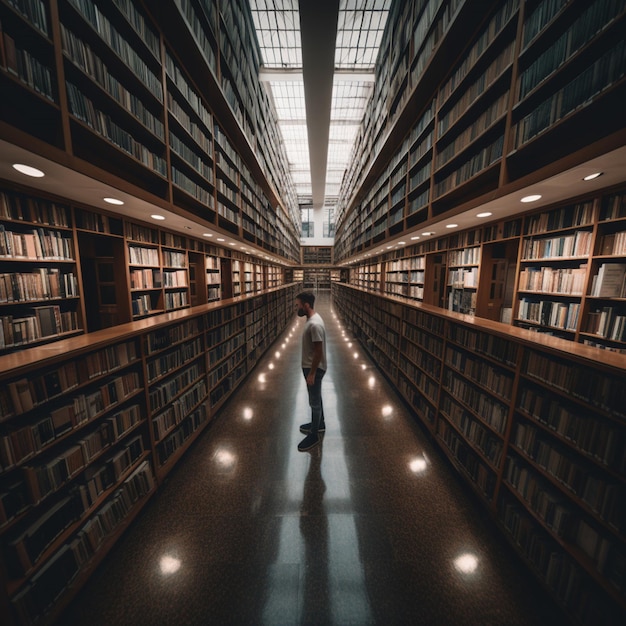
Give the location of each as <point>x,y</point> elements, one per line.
<point>318,33</point>
<point>276,75</point>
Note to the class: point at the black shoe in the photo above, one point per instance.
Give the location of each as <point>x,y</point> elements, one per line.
<point>305,429</point>
<point>310,441</point>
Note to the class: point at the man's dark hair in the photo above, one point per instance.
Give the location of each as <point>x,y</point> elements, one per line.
<point>307,297</point>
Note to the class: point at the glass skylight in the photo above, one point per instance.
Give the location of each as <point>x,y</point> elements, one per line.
<point>359,32</point>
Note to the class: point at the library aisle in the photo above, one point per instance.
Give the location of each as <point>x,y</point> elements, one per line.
<point>371,527</point>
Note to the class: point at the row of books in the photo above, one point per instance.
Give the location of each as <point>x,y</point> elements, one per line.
<point>477,88</point>
<point>100,22</point>
<point>172,360</point>
<point>462,300</point>
<point>140,255</point>
<point>221,350</point>
<point>555,510</point>
<point>27,68</point>
<point>83,56</point>
<point>176,300</point>
<point>84,407</point>
<point>607,322</point>
<point>586,431</point>
<point>46,321</point>
<point>28,209</point>
<point>559,280</point>
<point>492,411</point>
<point>600,492</point>
<point>613,207</point>
<point>162,339</point>
<point>175,278</point>
<point>460,278</point>
<point>84,109</point>
<point>36,244</point>
<point>163,393</point>
<point>597,16</point>
<point>494,379</point>
<point>482,438</point>
<point>178,410</point>
<point>594,80</point>
<point>560,573</point>
<point>559,219</point>
<point>26,546</point>
<point>577,244</point>
<point>41,284</point>
<point>471,463</point>
<point>56,576</point>
<point>230,367</point>
<point>606,392</point>
<point>34,11</point>
<point>613,244</point>
<point>424,360</point>
<point>177,439</point>
<point>145,304</point>
<point>110,359</point>
<point>26,441</point>
<point>200,134</point>
<point>563,315</point>
<point>494,347</point>
<point>427,387</point>
<point>191,157</point>
<point>196,190</point>
<point>484,40</point>
<point>475,164</point>
<point>610,281</point>
<point>143,234</point>
<point>174,259</point>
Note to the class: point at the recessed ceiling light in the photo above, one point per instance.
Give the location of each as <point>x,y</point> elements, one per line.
<point>188,227</point>
<point>389,247</point>
<point>415,238</point>
<point>484,214</point>
<point>427,233</point>
<point>452,225</point>
<point>401,243</point>
<point>207,234</point>
<point>592,176</point>
<point>114,201</point>
<point>28,170</point>
<point>221,239</point>
<point>531,198</point>
<point>156,216</point>
<point>232,243</point>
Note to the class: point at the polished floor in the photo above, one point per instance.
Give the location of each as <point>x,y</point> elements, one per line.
<point>371,527</point>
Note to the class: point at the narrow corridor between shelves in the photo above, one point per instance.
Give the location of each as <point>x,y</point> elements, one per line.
<point>370,527</point>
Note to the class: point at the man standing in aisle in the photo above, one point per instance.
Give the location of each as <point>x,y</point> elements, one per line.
<point>313,368</point>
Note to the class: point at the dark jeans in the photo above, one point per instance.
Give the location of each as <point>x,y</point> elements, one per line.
<point>315,398</point>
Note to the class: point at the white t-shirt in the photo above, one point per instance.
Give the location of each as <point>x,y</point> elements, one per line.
<point>314,331</point>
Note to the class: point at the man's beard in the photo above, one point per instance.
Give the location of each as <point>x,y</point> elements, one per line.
<point>301,313</point>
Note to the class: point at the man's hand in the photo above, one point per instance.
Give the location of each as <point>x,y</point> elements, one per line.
<point>310,379</point>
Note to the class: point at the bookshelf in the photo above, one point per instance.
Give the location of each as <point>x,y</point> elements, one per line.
<point>470,105</point>
<point>533,426</point>
<point>558,270</point>
<point>91,428</point>
<point>39,284</point>
<point>107,87</point>
<point>100,270</point>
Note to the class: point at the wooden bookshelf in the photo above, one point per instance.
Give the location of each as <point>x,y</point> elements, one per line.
<point>109,88</point>
<point>532,423</point>
<point>39,286</point>
<point>91,428</point>
<point>558,270</point>
<point>456,118</point>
